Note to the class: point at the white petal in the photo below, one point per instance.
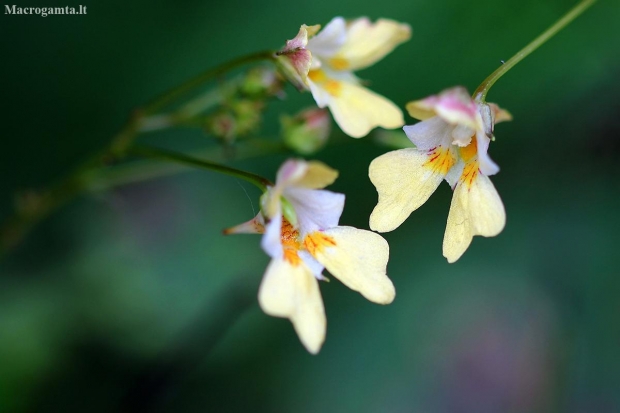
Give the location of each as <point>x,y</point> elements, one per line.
<point>316,209</point>
<point>430,133</point>
<point>356,257</point>
<point>330,39</point>
<point>291,291</point>
<point>271,242</point>
<point>476,209</point>
<point>320,95</point>
<point>357,110</point>
<point>405,179</point>
<point>487,166</point>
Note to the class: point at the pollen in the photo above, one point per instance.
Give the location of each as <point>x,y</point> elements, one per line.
<point>290,243</point>
<point>316,242</point>
<point>470,173</point>
<point>440,160</point>
<point>339,63</point>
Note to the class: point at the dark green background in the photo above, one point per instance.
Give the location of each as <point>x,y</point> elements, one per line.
<point>121,293</point>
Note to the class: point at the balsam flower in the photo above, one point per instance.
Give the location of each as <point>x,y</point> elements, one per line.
<point>324,64</point>
<point>299,223</point>
<point>451,143</point>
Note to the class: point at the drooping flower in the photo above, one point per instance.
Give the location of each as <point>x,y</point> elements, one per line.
<point>299,223</point>
<point>324,64</point>
<point>451,142</point>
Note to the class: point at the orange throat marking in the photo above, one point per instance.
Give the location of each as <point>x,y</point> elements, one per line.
<point>290,243</point>
<point>314,243</point>
<point>440,160</point>
<point>470,155</point>
<point>333,87</point>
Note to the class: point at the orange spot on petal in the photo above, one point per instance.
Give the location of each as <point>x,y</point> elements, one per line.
<point>316,242</point>
<point>317,76</point>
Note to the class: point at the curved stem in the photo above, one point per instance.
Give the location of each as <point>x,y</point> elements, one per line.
<point>198,80</point>
<point>482,90</point>
<point>155,153</point>
<point>42,203</point>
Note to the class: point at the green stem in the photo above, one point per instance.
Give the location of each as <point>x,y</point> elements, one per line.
<point>193,83</point>
<point>155,153</point>
<point>42,203</point>
<point>482,90</point>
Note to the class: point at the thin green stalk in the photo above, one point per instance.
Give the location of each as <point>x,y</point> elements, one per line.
<point>482,90</point>
<point>156,153</point>
<point>145,170</point>
<point>195,82</point>
<point>43,203</point>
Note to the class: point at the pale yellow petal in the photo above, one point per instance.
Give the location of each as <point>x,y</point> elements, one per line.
<point>291,291</point>
<point>367,43</point>
<point>318,175</point>
<point>357,110</point>
<point>357,258</point>
<point>405,179</point>
<point>476,209</point>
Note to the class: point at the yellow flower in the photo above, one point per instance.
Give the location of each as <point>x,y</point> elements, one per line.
<point>299,223</point>
<point>324,64</point>
<point>451,143</point>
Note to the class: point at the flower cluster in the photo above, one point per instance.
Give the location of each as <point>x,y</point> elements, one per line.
<point>451,142</point>
<point>324,63</point>
<point>299,223</point>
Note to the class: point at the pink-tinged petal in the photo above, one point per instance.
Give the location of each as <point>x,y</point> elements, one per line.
<point>291,291</point>
<point>453,105</point>
<point>358,258</point>
<point>290,172</point>
<point>305,174</point>
<point>430,133</point>
<point>316,209</point>
<point>330,39</point>
<point>254,226</point>
<point>301,40</point>
<point>294,60</point>
<point>271,241</point>
<point>367,43</point>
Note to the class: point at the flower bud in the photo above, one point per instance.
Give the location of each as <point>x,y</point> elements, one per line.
<point>306,132</point>
<point>261,82</point>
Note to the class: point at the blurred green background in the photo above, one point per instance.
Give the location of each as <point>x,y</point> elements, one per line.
<point>132,300</point>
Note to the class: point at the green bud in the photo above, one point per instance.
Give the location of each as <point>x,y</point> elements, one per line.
<point>306,132</point>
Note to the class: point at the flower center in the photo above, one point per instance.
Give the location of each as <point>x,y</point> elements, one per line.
<point>333,87</point>
<point>290,243</point>
<point>469,151</point>
<point>314,243</point>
